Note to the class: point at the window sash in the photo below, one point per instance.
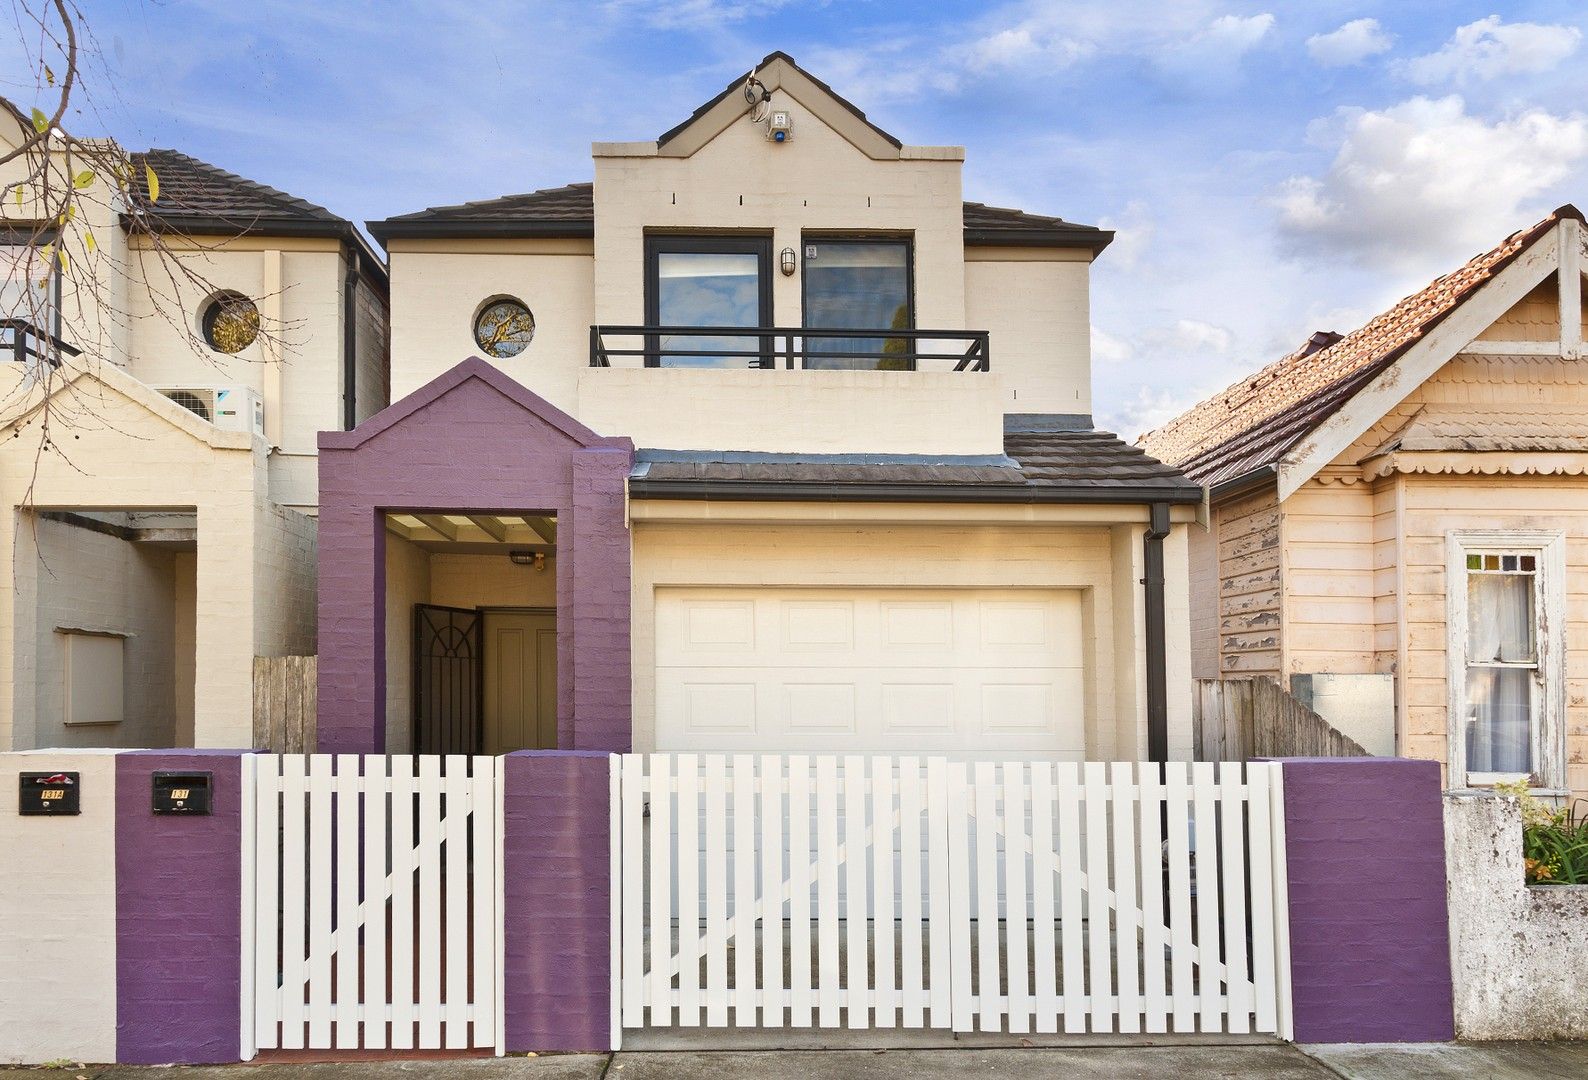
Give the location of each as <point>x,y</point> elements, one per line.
<point>1475,558</point>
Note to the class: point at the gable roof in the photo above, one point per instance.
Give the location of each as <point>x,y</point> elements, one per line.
<point>1250,425</point>
<point>737,86</point>
<point>569,211</point>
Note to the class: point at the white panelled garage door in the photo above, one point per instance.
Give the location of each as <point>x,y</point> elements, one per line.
<point>853,669</point>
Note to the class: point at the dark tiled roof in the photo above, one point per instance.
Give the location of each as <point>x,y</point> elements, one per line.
<point>1252,424</point>
<point>197,197</point>
<point>570,211</point>
<point>1043,466</point>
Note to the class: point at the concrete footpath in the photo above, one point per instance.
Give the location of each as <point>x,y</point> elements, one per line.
<point>1498,1061</point>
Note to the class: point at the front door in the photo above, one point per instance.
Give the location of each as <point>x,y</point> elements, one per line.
<point>446,710</point>
<point>520,681</point>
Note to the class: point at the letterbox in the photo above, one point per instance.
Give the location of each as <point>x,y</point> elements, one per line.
<point>182,792</point>
<point>50,793</point>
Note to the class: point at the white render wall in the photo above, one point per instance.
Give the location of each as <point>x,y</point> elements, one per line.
<point>407,584</point>
<point>1518,955</point>
<point>58,916</point>
<point>1038,303</point>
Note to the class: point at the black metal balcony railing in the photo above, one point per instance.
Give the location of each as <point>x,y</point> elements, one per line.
<point>789,347</point>
<point>28,344</point>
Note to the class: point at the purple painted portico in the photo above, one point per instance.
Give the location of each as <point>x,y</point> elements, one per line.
<point>475,441</point>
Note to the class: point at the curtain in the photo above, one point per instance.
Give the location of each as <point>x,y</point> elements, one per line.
<point>1500,700</point>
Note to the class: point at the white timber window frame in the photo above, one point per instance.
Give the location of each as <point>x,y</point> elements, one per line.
<point>1548,735</point>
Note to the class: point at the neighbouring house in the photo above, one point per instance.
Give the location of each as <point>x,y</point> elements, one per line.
<point>1399,520</point>
<point>773,443</point>
<point>157,446</point>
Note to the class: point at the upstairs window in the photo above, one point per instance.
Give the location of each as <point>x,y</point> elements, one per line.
<point>30,286</point>
<point>707,281</point>
<point>1506,656</point>
<point>854,284</point>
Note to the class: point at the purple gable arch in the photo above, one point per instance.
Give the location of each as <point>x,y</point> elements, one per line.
<point>474,440</point>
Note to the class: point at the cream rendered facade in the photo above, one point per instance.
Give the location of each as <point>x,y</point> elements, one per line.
<point>1068,574</point>
<point>127,518</point>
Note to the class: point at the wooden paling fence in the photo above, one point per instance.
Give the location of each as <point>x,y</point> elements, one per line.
<point>882,892</point>
<point>1241,719</point>
<point>285,704</point>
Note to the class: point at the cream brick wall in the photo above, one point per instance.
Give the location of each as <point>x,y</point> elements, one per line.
<point>286,622</point>
<point>1102,561</point>
<point>91,581</point>
<point>1041,310</point>
<point>439,287</point>
<point>880,412</point>
<point>58,916</point>
<point>140,452</point>
<point>407,584</point>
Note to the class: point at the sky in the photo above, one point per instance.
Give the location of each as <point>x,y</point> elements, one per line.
<point>1271,169</point>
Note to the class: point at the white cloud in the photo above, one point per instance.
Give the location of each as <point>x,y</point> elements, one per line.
<point>1489,49</point>
<point>1214,51</point>
<point>1019,46</point>
<point>1351,44</point>
<point>1133,230</point>
<point>1150,408</point>
<point>1108,349</point>
<point>1194,335</point>
<point>1423,183</point>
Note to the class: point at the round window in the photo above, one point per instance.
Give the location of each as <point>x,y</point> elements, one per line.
<point>230,323</point>
<point>504,327</point>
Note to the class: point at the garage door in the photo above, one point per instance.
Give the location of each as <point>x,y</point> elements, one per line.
<point>842,670</point>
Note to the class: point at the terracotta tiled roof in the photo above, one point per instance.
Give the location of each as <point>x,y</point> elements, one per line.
<point>1253,423</point>
<point>199,197</point>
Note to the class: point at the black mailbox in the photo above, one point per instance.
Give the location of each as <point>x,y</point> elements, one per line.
<point>51,793</point>
<point>182,792</point>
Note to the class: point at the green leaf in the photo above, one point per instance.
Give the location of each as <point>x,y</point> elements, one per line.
<point>49,76</point>
<point>19,194</point>
<point>153,181</point>
<point>84,179</point>
<point>88,240</point>
<point>40,121</point>
<point>60,253</point>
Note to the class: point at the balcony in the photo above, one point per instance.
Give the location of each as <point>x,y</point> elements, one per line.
<point>789,348</point>
<point>25,343</point>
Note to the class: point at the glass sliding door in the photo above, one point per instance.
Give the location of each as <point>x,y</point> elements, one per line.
<point>708,281</point>
<point>858,285</point>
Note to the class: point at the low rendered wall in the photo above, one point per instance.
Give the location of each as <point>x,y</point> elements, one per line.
<point>1519,955</point>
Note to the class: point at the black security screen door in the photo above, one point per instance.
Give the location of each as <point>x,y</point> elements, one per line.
<point>707,281</point>
<point>858,285</point>
<point>447,680</point>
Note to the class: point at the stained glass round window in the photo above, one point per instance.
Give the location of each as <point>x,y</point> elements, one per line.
<point>230,323</point>
<point>504,327</point>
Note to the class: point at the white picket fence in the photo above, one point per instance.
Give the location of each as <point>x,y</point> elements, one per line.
<point>371,902</point>
<point>1026,896</point>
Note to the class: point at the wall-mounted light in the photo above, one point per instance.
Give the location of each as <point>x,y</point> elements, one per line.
<point>786,261</point>
<point>537,559</point>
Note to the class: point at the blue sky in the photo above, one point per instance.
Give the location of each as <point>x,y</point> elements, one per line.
<point>1272,169</point>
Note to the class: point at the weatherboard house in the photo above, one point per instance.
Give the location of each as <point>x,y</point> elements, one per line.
<point>771,442</point>
<point>1398,520</point>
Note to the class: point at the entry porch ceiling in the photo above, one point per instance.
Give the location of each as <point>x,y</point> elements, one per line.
<point>479,534</point>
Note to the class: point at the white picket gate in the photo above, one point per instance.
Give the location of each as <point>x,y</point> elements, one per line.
<point>1025,896</point>
<point>371,902</point>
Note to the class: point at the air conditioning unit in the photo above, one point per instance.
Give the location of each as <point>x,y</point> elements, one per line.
<point>230,408</point>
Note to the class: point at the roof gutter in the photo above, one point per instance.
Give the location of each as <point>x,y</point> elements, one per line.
<point>1094,240</point>
<point>781,491</point>
<point>465,228</point>
<point>1240,485</point>
<point>350,338</point>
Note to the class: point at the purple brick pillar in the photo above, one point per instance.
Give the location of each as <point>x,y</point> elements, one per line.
<point>178,914</point>
<point>557,890</point>
<point>1369,929</point>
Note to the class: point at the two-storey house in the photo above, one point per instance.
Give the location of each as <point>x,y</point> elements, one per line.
<point>160,395</point>
<point>770,441</point>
